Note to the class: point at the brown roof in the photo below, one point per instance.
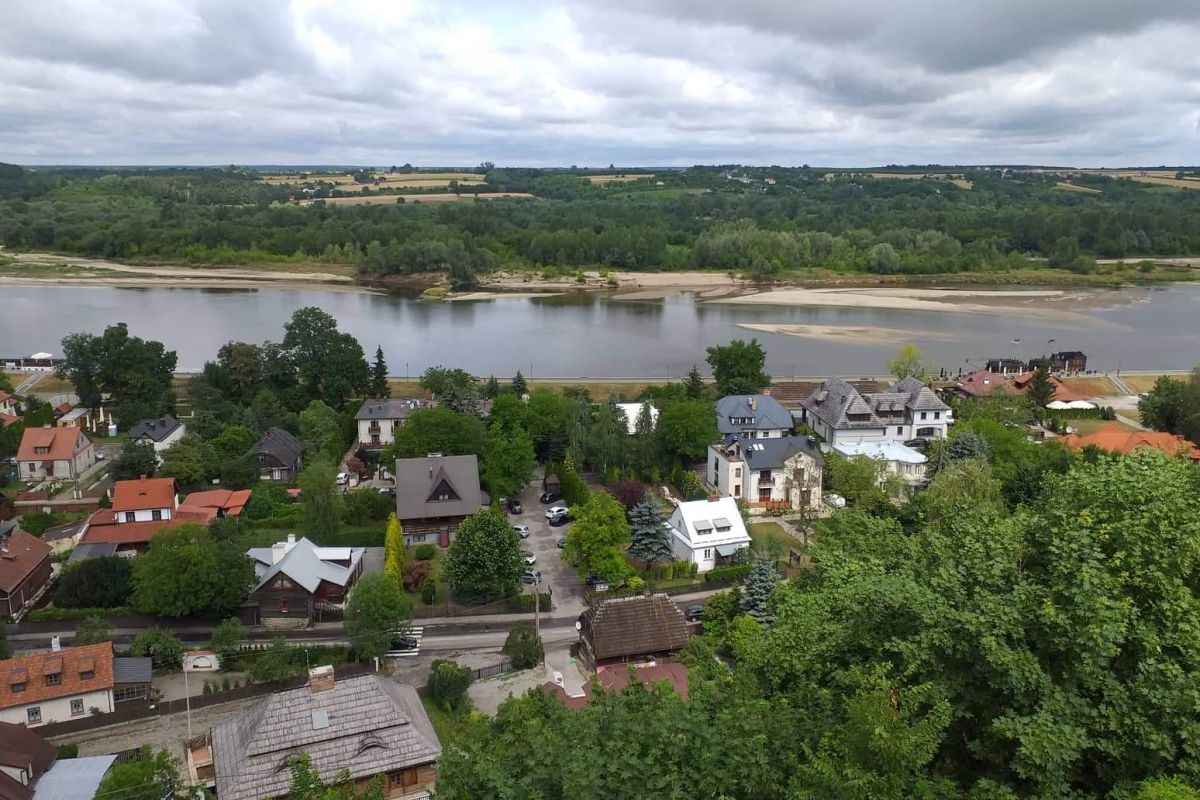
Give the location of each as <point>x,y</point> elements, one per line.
<point>103,526</point>
<point>614,678</point>
<point>20,555</point>
<point>33,668</point>
<point>61,443</point>
<point>1061,390</point>
<point>231,503</point>
<point>8,419</point>
<point>144,494</point>
<point>1112,438</point>
<point>21,748</point>
<point>981,383</point>
<point>618,627</point>
<point>4,395</point>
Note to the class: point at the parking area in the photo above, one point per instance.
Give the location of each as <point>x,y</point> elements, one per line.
<point>556,573</point>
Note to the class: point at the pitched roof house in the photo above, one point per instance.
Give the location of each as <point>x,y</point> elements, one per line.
<point>369,725</point>
<point>220,502</point>
<point>162,432</point>
<point>140,509</point>
<point>896,459</point>
<point>24,568</point>
<point>54,453</point>
<point>60,685</point>
<point>434,494</point>
<point>908,409</point>
<point>768,474</point>
<point>707,532</point>
<point>378,419</point>
<point>279,455</point>
<point>8,403</point>
<point>297,578</point>
<point>981,383</point>
<point>616,629</point>
<point>1112,438</point>
<point>752,416</point>
<point>24,758</point>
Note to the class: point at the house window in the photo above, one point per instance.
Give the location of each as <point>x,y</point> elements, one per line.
<point>737,490</point>
<point>937,415</point>
<point>76,706</point>
<point>924,415</point>
<point>753,434</point>
<point>283,605</point>
<point>416,537</point>
<point>925,432</point>
<point>136,691</point>
<point>716,465</point>
<point>707,554</point>
<point>156,514</point>
<point>737,472</point>
<point>899,430</point>
<point>130,516</point>
<point>402,779</point>
<point>17,688</point>
<point>53,680</point>
<point>87,676</point>
<point>34,714</point>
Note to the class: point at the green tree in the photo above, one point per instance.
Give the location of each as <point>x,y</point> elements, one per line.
<point>519,386</point>
<point>595,540</point>
<point>547,426</point>
<point>1040,390</point>
<point>1166,406</point>
<point>651,541</point>
<point>737,367</point>
<point>484,561</point>
<point>508,461</point>
<point>227,637</point>
<point>102,582</point>
<point>395,553</point>
<point>883,259</point>
<point>161,645</point>
<point>272,664</point>
<point>523,646</point>
<point>694,385</point>
<point>93,630</point>
<point>379,387</point>
<point>510,413</point>
<point>307,784</point>
<point>607,443</point>
<point>907,364</point>
<point>321,431</point>
<point>320,506</point>
<point>757,589</point>
<point>447,685</point>
<point>135,460</point>
<point>454,389</point>
<point>191,461</point>
<point>686,428</point>
<point>186,572</point>
<point>376,610</point>
<point>437,430</point>
<point>330,364</point>
<point>132,374</point>
<point>150,775</point>
<point>234,442</point>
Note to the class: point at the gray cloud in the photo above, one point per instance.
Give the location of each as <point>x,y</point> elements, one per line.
<point>588,82</point>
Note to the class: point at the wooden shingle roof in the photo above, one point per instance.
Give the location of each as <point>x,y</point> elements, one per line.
<point>619,627</point>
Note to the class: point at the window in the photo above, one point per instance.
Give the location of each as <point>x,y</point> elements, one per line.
<point>34,714</point>
<point>899,430</point>
<point>135,691</point>
<point>283,583</point>
<point>130,516</point>
<point>924,414</point>
<point>156,514</point>
<point>76,706</point>
<point>283,605</point>
<point>53,680</point>
<point>937,415</point>
<point>716,465</point>
<point>708,554</point>
<point>402,778</point>
<point>416,537</point>
<point>925,432</point>
<point>737,490</point>
<point>41,451</point>
<point>87,676</point>
<point>753,434</point>
<point>17,688</point>
<point>737,472</point>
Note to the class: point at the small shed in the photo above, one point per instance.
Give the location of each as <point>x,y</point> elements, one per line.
<point>550,483</point>
<point>201,661</point>
<point>131,678</point>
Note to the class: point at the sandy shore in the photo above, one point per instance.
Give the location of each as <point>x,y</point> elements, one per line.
<point>854,334</point>
<point>189,283</point>
<point>59,269</point>
<point>499,295</point>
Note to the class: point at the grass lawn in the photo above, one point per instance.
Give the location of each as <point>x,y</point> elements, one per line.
<point>447,724</point>
<point>768,536</point>
<point>1144,383</point>
<point>435,573</point>
<point>1093,386</point>
<point>1086,427</point>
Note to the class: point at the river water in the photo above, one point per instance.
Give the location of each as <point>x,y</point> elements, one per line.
<point>597,335</point>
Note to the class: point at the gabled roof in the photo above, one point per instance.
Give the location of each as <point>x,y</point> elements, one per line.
<point>20,554</point>
<point>982,383</point>
<point>375,725</point>
<point>629,626</point>
<point>420,481</point>
<point>699,523</point>
<point>1112,438</point>
<point>1061,390</point>
<point>8,419</point>
<point>772,453</point>
<point>133,669</point>
<point>280,444</point>
<point>60,441</point>
<point>306,564</point>
<point>69,662</point>
<point>155,429</point>
<point>834,400</point>
<point>103,527</point>
<point>919,396</point>
<point>393,408</point>
<point>230,503</point>
<point>765,411</point>
<point>4,396</point>
<point>144,494</point>
<point>22,749</point>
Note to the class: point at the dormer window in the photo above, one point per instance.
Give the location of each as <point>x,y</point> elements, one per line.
<point>41,451</point>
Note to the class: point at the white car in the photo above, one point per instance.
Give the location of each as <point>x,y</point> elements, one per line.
<point>522,531</point>
<point>343,478</point>
<point>554,511</point>
<point>530,558</point>
<point>835,500</point>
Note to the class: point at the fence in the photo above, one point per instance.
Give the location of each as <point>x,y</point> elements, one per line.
<point>509,605</point>
<point>492,671</point>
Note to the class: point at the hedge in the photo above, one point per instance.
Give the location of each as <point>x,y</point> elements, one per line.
<point>524,602</point>
<point>50,613</point>
<point>729,573</point>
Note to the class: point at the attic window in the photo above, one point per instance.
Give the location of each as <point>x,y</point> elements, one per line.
<point>320,719</point>
<point>41,451</point>
<point>370,742</point>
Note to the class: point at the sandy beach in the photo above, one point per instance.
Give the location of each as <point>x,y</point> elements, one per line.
<point>854,334</point>
<point>48,268</point>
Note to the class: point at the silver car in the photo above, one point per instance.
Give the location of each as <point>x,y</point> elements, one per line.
<point>522,531</point>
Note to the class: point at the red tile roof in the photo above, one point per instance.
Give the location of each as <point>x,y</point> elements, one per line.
<point>615,677</point>
<point>144,494</point>
<point>31,671</point>
<point>8,419</point>
<point>103,527</point>
<point>981,383</point>
<point>231,503</point>
<point>20,555</point>
<point>60,441</point>
<point>63,408</point>
<point>1112,438</point>
<point>4,395</point>
<point>1061,390</point>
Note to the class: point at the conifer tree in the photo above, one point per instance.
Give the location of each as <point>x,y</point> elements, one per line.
<point>756,591</point>
<point>395,555</point>
<point>650,540</point>
<point>379,383</point>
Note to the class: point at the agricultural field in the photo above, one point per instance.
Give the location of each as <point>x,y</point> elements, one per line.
<point>957,179</point>
<point>1155,177</point>
<point>390,199</point>
<point>1067,186</point>
<point>385,180</point>
<point>620,178</point>
<point>1092,386</point>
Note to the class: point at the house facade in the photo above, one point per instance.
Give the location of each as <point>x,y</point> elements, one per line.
<point>24,568</point>
<point>435,494</point>
<point>298,579</point>
<point>906,410</point>
<point>768,474</point>
<point>1068,361</point>
<point>617,630</point>
<point>896,459</point>
<point>754,416</point>
<point>279,456</point>
<point>48,453</point>
<point>707,532</point>
<point>66,683</point>
<point>161,432</point>
<point>140,509</point>
<point>8,403</point>
<point>378,420</point>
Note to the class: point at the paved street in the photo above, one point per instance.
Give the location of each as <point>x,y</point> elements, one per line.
<point>564,584</point>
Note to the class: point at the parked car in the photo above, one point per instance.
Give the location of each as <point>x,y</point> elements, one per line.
<point>596,583</point>
<point>100,455</point>
<point>513,505</point>
<point>403,643</point>
<point>530,557</point>
<point>551,497</point>
<point>835,500</point>
<point>561,544</point>
<point>554,511</point>
<point>388,490</point>
<point>558,520</point>
<point>531,576</point>
<point>522,531</point>
<point>694,613</point>
<point>343,478</point>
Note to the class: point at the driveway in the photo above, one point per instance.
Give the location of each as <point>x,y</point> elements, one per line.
<point>559,576</point>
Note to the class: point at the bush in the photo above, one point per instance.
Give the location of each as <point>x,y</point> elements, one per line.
<point>730,573</point>
<point>429,593</point>
<point>102,582</point>
<point>522,603</point>
<point>415,574</point>
<point>55,614</point>
<point>161,645</point>
<point>523,646</point>
<point>69,750</point>
<point>426,552</point>
<point>448,684</point>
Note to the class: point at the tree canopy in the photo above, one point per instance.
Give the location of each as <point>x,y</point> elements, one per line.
<point>186,572</point>
<point>738,367</point>
<point>484,561</point>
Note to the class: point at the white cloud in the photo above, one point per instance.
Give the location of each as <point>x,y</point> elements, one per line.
<point>645,82</point>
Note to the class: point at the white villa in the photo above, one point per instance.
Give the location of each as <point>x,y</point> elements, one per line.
<point>707,532</point>
<point>768,474</point>
<point>899,460</point>
<point>906,410</point>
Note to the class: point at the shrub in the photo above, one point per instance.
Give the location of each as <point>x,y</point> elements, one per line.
<point>161,645</point>
<point>101,582</point>
<point>426,552</point>
<point>730,573</point>
<point>448,684</point>
<point>523,646</point>
<point>522,603</point>
<point>53,613</point>
<point>415,575</point>
<point>428,593</point>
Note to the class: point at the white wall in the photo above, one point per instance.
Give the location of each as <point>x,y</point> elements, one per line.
<point>387,429</point>
<point>144,514</point>
<point>728,476</point>
<point>682,551</point>
<point>166,443</point>
<point>58,709</point>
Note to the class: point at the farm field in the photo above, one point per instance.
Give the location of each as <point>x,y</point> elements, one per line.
<point>390,199</point>
<point>409,180</point>
<point>602,179</point>
<point>1093,386</point>
<point>1156,177</point>
<point>1070,187</point>
<point>957,179</point>
<point>1144,383</point>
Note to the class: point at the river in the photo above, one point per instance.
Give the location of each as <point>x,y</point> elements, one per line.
<point>598,335</point>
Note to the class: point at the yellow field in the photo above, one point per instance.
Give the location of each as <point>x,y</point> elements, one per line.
<point>601,179</point>
<point>390,199</point>
<point>1144,383</point>
<point>1156,177</point>
<point>407,180</point>
<point>956,179</point>
<point>1093,386</point>
<point>1070,187</point>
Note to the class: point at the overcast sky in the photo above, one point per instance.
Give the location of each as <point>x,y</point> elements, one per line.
<point>657,82</point>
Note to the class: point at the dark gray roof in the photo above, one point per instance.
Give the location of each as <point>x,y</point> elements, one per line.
<point>86,550</point>
<point>279,443</point>
<point>390,408</point>
<point>766,412</point>
<point>630,626</point>
<point>920,397</point>
<point>65,531</point>
<point>155,429</point>
<point>419,481</point>
<point>133,670</point>
<point>771,453</point>
<point>375,725</point>
<point>834,399</point>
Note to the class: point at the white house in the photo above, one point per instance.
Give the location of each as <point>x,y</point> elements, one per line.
<point>162,432</point>
<point>906,410</point>
<point>707,532</point>
<point>144,500</point>
<point>8,403</point>
<point>768,474</point>
<point>752,416</point>
<point>633,412</point>
<point>378,419</point>
<point>905,462</point>
<point>66,683</point>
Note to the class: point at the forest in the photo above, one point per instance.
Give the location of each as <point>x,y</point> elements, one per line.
<point>769,223</point>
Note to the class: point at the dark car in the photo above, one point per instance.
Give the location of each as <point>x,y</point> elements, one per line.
<point>531,576</point>
<point>558,520</point>
<point>550,497</point>
<point>513,505</point>
<point>694,613</point>
<point>402,643</point>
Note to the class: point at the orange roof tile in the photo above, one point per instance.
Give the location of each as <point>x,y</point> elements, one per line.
<point>143,494</point>
<point>103,526</point>
<point>61,444</point>
<point>8,419</point>
<point>1112,438</point>
<point>1061,390</point>
<point>231,503</point>
<point>30,670</point>
<point>20,555</point>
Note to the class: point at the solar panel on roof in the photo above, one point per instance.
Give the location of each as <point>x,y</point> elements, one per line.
<point>320,719</point>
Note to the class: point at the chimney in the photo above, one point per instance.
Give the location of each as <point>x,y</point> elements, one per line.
<point>278,551</point>
<point>291,541</point>
<point>55,644</point>
<point>320,679</point>
<point>754,404</point>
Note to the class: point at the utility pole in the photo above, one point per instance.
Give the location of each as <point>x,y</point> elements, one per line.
<point>187,700</point>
